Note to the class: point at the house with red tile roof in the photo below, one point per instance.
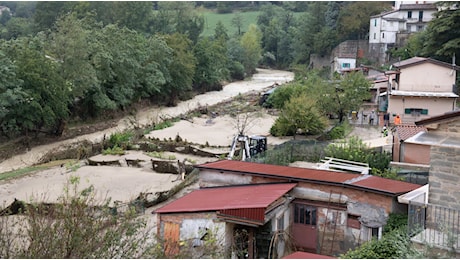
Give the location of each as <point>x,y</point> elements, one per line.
<point>421,88</point>
<point>318,211</point>
<point>408,152</point>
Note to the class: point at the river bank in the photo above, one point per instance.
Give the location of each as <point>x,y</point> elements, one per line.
<point>263,79</point>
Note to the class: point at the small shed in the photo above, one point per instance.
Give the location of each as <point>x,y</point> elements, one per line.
<point>238,216</point>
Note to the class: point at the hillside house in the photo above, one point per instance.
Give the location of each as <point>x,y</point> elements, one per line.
<point>420,88</point>
<point>345,55</point>
<point>325,212</point>
<point>439,218</point>
<point>391,29</point>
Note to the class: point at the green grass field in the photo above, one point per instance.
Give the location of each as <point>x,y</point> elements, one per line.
<point>211,19</point>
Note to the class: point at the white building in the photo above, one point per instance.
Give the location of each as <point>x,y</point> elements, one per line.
<point>391,29</point>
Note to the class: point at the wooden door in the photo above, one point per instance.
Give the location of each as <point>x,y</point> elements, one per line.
<point>171,236</point>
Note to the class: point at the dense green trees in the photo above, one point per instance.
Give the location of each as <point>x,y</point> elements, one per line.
<point>104,56</point>
<point>442,36</point>
<point>87,58</point>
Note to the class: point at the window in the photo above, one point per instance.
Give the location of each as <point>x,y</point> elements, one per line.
<point>420,15</point>
<point>353,221</point>
<point>375,232</point>
<point>280,222</point>
<point>375,22</point>
<point>346,65</point>
<point>383,35</point>
<point>375,35</point>
<point>415,111</point>
<point>304,214</point>
<point>372,232</point>
<point>409,14</point>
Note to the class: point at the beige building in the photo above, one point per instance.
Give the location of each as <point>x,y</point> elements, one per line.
<point>421,88</point>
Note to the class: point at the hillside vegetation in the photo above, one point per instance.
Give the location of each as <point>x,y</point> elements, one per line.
<point>65,63</point>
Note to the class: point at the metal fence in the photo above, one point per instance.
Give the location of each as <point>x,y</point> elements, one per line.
<point>434,225</point>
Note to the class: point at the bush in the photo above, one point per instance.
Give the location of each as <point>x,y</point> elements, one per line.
<point>395,244</point>
<point>120,139</point>
<point>354,149</point>
<point>337,132</point>
<point>395,221</point>
<point>79,225</point>
<point>116,150</point>
<point>236,70</point>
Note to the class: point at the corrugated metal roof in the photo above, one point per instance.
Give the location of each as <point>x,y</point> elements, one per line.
<point>226,198</point>
<point>312,175</point>
<point>284,172</point>
<point>386,185</point>
<point>404,132</point>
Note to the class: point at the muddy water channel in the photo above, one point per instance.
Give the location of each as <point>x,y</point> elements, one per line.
<point>124,177</point>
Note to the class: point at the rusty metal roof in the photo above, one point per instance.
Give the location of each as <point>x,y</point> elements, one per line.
<point>360,181</point>
<point>283,172</point>
<point>404,132</point>
<point>227,198</point>
<point>386,185</point>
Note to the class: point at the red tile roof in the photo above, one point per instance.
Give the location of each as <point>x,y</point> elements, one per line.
<point>405,132</point>
<point>357,181</point>
<point>225,198</point>
<point>306,255</point>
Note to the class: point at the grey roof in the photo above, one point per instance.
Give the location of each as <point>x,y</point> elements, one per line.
<point>436,139</point>
<point>384,13</point>
<point>409,7</point>
<point>418,60</point>
<point>423,94</point>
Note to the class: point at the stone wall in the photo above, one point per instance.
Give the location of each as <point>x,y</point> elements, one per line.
<point>444,172</point>
<point>444,176</point>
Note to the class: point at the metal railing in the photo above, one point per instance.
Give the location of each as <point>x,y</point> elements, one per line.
<point>434,225</point>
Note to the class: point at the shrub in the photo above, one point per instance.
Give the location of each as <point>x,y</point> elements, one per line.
<point>337,132</point>
<point>79,225</point>
<point>394,244</point>
<point>354,149</point>
<point>116,150</point>
<point>120,139</point>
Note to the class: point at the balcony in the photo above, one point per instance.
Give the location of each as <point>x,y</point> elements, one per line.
<point>435,226</point>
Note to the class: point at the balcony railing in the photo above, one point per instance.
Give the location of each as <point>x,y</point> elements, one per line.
<point>434,225</point>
